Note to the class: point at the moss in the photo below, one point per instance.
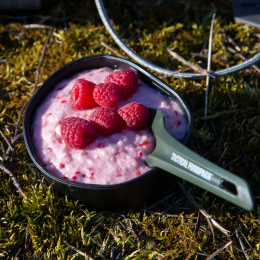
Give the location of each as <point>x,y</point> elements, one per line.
<point>47,219</point>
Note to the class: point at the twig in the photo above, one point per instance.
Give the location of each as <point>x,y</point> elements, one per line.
<point>58,41</point>
<point>255,220</point>
<point>27,81</point>
<point>214,222</point>
<point>198,224</point>
<point>162,200</point>
<point>211,229</point>
<point>17,254</point>
<point>78,251</point>
<point>123,250</point>
<point>243,58</point>
<point>95,46</point>
<point>112,253</point>
<point>230,40</point>
<point>3,152</point>
<point>12,124</point>
<point>219,250</point>
<point>241,244</point>
<point>8,131</point>
<point>16,184</point>
<point>27,242</point>
<point>250,90</point>
<point>41,60</point>
<point>187,63</point>
<point>37,26</point>
<point>225,241</point>
<point>16,138</point>
<point>171,215</point>
<point>223,154</point>
<point>225,166</point>
<point>11,148</point>
<point>102,249</point>
<point>209,63</point>
<point>13,143</point>
<point>39,256</point>
<point>248,243</point>
<point>112,50</point>
<point>231,50</point>
<point>199,55</point>
<point>175,203</point>
<point>189,223</point>
<point>204,47</point>
<point>11,161</point>
<point>3,61</point>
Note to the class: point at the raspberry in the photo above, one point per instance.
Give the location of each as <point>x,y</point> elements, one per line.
<point>106,94</point>
<point>136,115</point>
<point>77,132</point>
<point>126,80</point>
<point>106,120</point>
<point>82,95</point>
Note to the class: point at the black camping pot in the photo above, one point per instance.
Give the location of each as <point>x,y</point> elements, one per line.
<point>106,197</point>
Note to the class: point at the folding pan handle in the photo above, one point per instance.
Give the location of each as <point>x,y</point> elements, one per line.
<point>174,157</point>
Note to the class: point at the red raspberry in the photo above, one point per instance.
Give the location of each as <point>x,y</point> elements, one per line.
<point>106,120</point>
<point>106,94</point>
<point>126,80</point>
<point>82,95</point>
<point>77,132</point>
<point>135,114</point>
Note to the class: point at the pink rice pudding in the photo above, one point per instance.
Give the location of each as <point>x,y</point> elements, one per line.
<point>108,159</point>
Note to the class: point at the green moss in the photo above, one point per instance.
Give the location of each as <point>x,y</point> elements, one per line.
<point>47,219</point>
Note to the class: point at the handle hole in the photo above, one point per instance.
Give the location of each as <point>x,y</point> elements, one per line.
<point>228,186</point>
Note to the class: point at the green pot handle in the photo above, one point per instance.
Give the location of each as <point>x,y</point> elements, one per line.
<point>174,157</point>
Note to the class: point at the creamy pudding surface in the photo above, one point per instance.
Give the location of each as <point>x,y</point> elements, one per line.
<point>108,159</point>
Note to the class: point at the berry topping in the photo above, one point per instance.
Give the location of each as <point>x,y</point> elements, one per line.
<point>145,143</point>
<point>106,120</point>
<point>140,153</point>
<point>62,165</point>
<point>77,132</point>
<point>82,95</point>
<point>106,94</point>
<point>90,173</point>
<point>177,123</point>
<point>136,115</point>
<point>126,80</point>
<point>137,173</point>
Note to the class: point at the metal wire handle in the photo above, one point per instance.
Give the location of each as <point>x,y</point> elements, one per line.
<point>105,19</point>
